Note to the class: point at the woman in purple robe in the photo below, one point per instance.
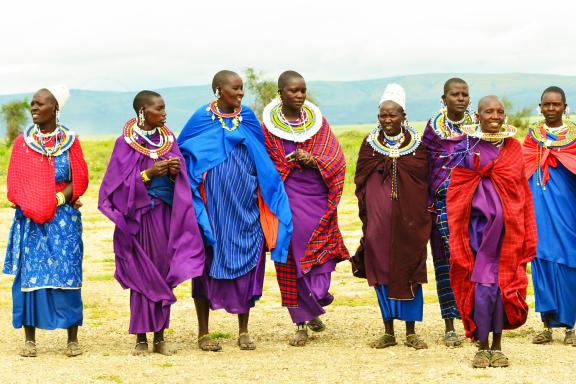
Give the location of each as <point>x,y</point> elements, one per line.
<point>156,240</point>
<point>311,163</point>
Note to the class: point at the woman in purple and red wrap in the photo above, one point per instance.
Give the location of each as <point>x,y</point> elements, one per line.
<point>311,164</point>
<point>492,231</point>
<point>157,241</point>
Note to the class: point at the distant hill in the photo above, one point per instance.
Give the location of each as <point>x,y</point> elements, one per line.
<point>342,102</point>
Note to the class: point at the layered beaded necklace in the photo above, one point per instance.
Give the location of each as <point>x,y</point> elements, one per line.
<point>392,148</point>
<point>132,133</point>
<point>308,124</point>
<point>49,144</point>
<point>446,128</point>
<point>216,112</point>
<point>550,138</point>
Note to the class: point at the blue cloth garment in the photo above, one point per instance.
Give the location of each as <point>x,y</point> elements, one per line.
<point>161,188</point>
<point>205,144</point>
<point>554,269</point>
<point>232,202</point>
<point>405,310</point>
<point>45,258</point>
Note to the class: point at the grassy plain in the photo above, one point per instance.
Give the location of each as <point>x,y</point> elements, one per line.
<point>339,355</point>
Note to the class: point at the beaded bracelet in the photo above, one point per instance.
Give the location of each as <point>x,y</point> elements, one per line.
<point>144,176</point>
<point>60,198</point>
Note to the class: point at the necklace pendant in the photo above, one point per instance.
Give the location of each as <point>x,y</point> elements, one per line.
<point>213,117</point>
<point>153,155</point>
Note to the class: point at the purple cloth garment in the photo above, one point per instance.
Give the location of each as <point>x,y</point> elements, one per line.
<point>488,311</point>
<point>235,296</point>
<point>156,246</point>
<point>486,230</point>
<point>308,196</point>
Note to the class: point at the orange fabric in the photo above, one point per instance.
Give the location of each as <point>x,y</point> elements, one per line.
<point>549,157</point>
<point>269,223</point>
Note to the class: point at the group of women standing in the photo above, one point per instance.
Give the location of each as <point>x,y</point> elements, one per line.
<point>209,204</point>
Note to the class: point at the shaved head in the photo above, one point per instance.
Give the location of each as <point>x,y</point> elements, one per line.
<point>222,77</point>
<point>450,82</point>
<point>143,98</point>
<point>286,76</point>
<point>486,99</point>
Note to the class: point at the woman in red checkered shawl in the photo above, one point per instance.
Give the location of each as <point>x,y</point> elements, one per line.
<point>492,232</point>
<point>311,163</point>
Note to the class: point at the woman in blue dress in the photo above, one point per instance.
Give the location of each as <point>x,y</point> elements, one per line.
<point>46,176</point>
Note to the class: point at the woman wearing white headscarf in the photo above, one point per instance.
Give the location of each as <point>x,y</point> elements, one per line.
<point>392,189</point>
<point>46,176</point>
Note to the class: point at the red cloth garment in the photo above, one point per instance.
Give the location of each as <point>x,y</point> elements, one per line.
<point>518,247</point>
<point>326,242</point>
<point>548,157</point>
<point>31,181</point>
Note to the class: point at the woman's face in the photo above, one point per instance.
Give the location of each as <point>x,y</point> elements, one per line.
<point>231,93</point>
<point>43,107</point>
<point>457,98</point>
<point>155,113</point>
<point>491,116</point>
<point>293,94</point>
<point>391,117</point>
<point>552,108</point>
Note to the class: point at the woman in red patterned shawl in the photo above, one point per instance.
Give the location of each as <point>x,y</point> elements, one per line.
<point>46,176</point>
<point>311,163</point>
<point>492,232</point>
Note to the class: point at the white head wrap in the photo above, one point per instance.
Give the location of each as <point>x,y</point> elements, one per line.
<point>60,93</point>
<point>394,92</point>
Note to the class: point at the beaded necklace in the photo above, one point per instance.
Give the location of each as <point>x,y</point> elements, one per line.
<point>392,149</point>
<point>49,144</point>
<point>308,124</point>
<point>216,112</point>
<point>446,128</point>
<point>550,138</point>
<point>474,130</point>
<point>131,133</point>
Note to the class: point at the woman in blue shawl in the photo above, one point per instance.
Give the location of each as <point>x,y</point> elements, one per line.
<point>240,204</point>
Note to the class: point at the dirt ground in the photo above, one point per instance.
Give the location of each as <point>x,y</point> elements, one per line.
<point>339,355</point>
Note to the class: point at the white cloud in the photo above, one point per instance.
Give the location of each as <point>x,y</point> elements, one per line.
<point>125,45</point>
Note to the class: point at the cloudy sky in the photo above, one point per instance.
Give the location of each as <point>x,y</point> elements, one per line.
<point>130,45</point>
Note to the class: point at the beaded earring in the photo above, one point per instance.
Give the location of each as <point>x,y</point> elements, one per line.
<point>57,117</point>
<point>141,117</point>
<point>567,111</point>
<point>217,93</point>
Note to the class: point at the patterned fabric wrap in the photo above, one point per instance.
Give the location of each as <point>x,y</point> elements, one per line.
<point>47,255</point>
<point>232,205</point>
<point>518,243</point>
<point>448,307</point>
<point>32,183</point>
<point>326,242</point>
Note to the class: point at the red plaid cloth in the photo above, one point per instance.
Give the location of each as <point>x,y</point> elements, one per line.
<point>519,241</point>
<point>31,180</point>
<point>326,242</point>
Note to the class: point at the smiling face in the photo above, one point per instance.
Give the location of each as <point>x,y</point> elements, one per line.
<point>391,117</point>
<point>43,107</point>
<point>491,114</point>
<point>155,113</point>
<point>231,93</point>
<point>293,94</point>
<point>457,98</point>
<point>552,107</point>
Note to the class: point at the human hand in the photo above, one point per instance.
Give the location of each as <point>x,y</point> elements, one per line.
<point>159,169</point>
<point>77,204</point>
<point>306,159</point>
<point>174,166</point>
